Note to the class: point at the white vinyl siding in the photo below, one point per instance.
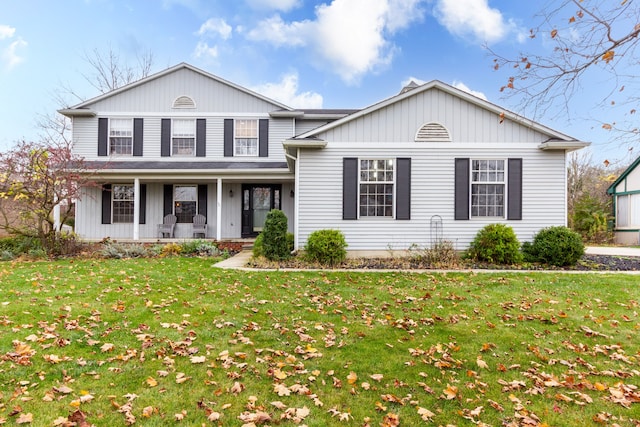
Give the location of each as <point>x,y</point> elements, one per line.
<point>432,193</point>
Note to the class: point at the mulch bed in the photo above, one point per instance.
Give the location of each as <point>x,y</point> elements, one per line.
<point>586,263</point>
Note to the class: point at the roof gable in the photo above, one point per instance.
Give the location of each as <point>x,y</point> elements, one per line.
<point>623,175</point>
<point>499,113</point>
<point>175,82</point>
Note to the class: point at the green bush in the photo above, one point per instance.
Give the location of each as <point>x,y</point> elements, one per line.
<point>18,245</point>
<point>326,247</point>
<point>557,246</point>
<point>258,246</point>
<point>274,240</point>
<point>495,243</point>
<point>124,250</point>
<point>590,219</point>
<point>200,248</point>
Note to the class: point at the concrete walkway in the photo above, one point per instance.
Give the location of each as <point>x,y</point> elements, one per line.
<point>240,260</point>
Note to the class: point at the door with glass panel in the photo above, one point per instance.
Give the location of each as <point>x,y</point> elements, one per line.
<point>257,201</point>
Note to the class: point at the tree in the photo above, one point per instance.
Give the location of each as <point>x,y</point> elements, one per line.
<point>34,178</point>
<point>587,38</point>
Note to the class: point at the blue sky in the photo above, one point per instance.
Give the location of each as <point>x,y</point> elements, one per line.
<point>313,54</point>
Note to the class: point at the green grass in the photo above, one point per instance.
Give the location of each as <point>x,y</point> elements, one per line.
<point>120,330</point>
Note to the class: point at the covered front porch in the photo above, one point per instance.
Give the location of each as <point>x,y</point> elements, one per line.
<point>131,209</point>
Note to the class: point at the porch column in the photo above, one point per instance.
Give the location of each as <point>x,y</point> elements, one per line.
<point>296,204</point>
<point>56,217</point>
<point>136,209</point>
<point>219,210</point>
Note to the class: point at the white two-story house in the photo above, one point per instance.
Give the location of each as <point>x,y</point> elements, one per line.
<point>184,142</point>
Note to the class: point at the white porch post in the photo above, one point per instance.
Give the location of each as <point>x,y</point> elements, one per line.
<point>219,210</point>
<point>296,204</point>
<point>56,217</point>
<point>136,209</point>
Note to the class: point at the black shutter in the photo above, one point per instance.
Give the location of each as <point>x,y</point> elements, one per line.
<point>103,136</point>
<point>106,204</point>
<point>168,199</point>
<point>228,137</point>
<point>201,137</point>
<point>138,126</point>
<point>142,219</point>
<point>202,199</point>
<point>165,138</point>
<point>514,189</point>
<point>263,138</point>
<point>349,188</point>
<point>461,189</point>
<point>403,188</point>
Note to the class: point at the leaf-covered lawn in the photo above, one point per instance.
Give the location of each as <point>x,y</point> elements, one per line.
<point>162,341</point>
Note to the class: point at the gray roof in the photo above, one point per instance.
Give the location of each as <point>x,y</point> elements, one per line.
<point>177,166</point>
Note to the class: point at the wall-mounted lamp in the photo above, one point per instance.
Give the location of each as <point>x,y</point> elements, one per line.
<point>230,193</point>
<point>292,194</point>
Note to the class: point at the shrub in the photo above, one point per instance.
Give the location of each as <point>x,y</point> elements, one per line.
<point>200,248</point>
<point>123,250</point>
<point>18,245</point>
<point>496,243</point>
<point>258,246</point>
<point>274,240</point>
<point>170,249</point>
<point>441,255</point>
<point>326,247</point>
<point>557,246</point>
<point>590,219</point>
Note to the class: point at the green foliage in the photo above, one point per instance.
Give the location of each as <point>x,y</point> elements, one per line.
<point>124,250</point>
<point>258,246</point>
<point>590,218</point>
<point>557,246</point>
<point>170,249</point>
<point>274,240</point>
<point>18,245</point>
<point>495,243</point>
<point>200,248</point>
<point>326,247</point>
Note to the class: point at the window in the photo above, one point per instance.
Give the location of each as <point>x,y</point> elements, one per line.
<point>185,202</point>
<point>183,138</point>
<point>122,200</point>
<point>120,137</point>
<point>487,188</point>
<point>246,138</point>
<point>376,188</point>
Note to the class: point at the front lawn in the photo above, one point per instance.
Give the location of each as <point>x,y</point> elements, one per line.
<point>167,340</point>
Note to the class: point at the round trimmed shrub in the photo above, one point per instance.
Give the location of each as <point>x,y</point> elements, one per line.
<point>274,236</point>
<point>557,246</point>
<point>326,247</point>
<point>496,243</point>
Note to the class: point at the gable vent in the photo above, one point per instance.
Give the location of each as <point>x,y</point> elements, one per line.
<point>433,132</point>
<point>184,102</point>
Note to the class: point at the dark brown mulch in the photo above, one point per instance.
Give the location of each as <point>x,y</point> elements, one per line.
<point>586,263</point>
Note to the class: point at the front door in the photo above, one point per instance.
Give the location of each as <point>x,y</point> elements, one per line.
<point>257,201</point>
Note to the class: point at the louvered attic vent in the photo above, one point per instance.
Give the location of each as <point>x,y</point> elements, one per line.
<point>433,132</point>
<point>184,102</point>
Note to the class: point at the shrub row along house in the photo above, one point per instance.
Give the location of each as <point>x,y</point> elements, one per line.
<point>184,142</point>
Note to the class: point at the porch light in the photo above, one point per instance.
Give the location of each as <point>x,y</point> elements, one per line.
<point>292,194</point>
<point>230,193</point>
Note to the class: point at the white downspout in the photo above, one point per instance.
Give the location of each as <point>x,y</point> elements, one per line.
<point>219,210</point>
<point>136,209</point>
<point>296,203</point>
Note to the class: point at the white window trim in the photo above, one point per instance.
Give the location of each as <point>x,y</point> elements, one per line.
<point>505,183</point>
<point>393,182</point>
<point>235,137</point>
<point>110,136</point>
<point>113,200</point>
<point>173,127</point>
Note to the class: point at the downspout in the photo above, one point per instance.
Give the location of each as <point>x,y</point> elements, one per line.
<point>296,204</point>
<point>136,209</point>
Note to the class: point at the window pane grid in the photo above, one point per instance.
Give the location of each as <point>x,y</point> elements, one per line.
<point>246,147</point>
<point>376,187</point>
<point>120,137</point>
<point>122,208</point>
<point>183,146</point>
<point>487,188</point>
<point>183,137</point>
<point>246,138</point>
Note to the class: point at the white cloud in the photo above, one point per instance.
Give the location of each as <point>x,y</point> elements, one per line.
<point>350,37</point>
<point>215,26</point>
<point>277,32</point>
<point>466,88</point>
<point>283,5</point>
<point>286,92</point>
<point>204,50</point>
<point>11,54</point>
<point>475,19</point>
<point>6,32</point>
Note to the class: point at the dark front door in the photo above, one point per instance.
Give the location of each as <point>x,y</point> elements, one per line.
<point>257,201</point>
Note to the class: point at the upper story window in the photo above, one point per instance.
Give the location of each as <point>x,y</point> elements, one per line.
<point>122,199</point>
<point>121,137</point>
<point>246,138</point>
<point>487,188</point>
<point>376,187</point>
<point>183,137</point>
